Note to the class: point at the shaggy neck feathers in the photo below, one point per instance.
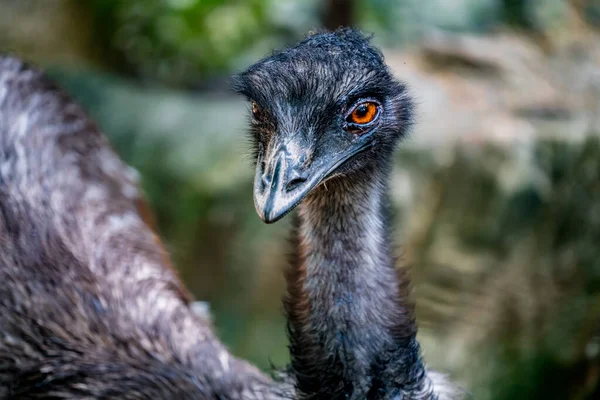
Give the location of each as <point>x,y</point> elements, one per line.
<point>351,326</point>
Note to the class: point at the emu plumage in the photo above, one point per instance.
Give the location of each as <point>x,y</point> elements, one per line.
<point>89,306</point>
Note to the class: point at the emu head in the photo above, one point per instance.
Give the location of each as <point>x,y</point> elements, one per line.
<point>324,108</point>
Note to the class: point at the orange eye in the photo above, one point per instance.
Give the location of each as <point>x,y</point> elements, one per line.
<point>364,113</point>
<point>256,110</point>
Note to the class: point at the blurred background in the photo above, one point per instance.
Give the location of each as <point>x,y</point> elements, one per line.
<point>497,192</point>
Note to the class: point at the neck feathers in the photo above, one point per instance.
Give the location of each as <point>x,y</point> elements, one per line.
<point>351,326</point>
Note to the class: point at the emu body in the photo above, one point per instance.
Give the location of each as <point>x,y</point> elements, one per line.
<point>89,306</point>
<point>327,115</point>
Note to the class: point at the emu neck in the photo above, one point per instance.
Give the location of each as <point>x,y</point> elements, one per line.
<point>351,326</point>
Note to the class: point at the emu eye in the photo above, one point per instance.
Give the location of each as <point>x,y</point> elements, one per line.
<point>256,111</point>
<point>364,113</point>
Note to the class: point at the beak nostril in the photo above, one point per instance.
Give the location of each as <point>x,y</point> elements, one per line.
<point>294,183</point>
<point>263,180</point>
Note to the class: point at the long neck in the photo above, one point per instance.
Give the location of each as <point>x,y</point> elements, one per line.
<point>351,326</point>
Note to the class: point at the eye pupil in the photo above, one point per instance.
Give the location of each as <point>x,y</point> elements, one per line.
<point>361,110</point>
<point>255,109</point>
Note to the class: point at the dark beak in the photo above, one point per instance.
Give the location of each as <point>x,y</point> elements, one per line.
<point>282,180</point>
<point>284,177</point>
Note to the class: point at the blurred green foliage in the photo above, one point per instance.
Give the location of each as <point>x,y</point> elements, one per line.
<point>189,42</point>
<point>173,40</point>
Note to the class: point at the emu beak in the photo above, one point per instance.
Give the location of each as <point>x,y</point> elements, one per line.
<point>284,177</point>
<point>282,180</point>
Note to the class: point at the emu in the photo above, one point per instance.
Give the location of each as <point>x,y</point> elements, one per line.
<point>326,116</point>
<point>89,306</point>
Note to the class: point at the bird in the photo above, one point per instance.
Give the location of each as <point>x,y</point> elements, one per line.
<point>325,118</point>
<point>90,306</point>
